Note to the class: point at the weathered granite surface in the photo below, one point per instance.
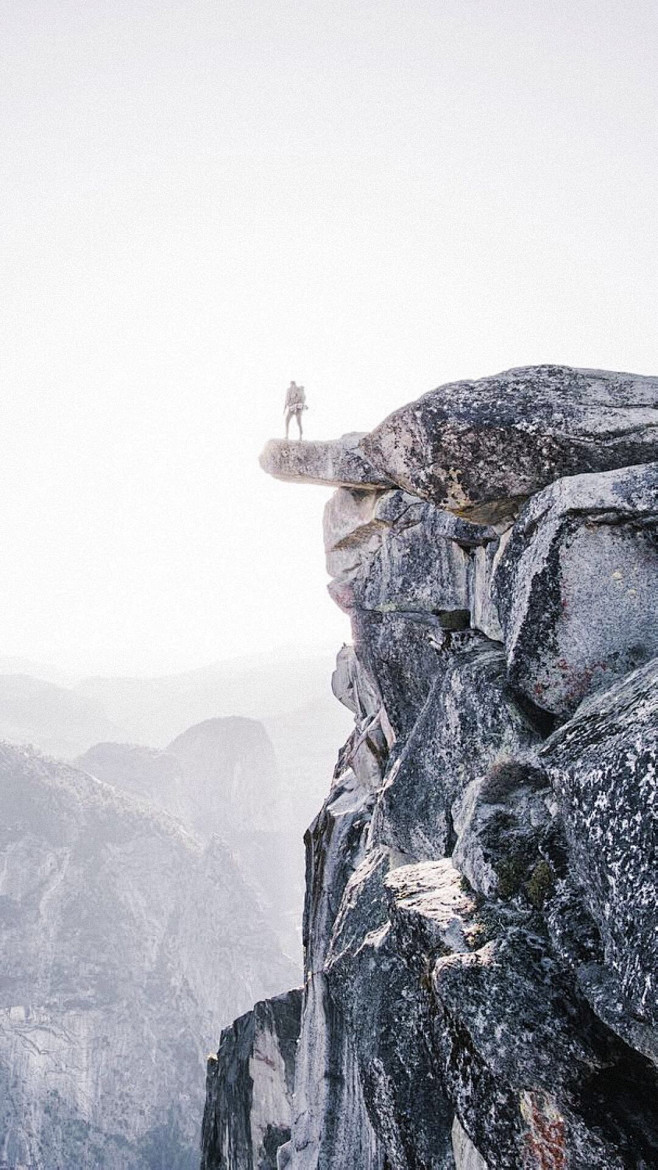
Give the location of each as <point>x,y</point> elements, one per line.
<point>577,585</point>
<point>481,447</point>
<point>602,765</point>
<point>333,462</point>
<point>481,880</point>
<point>249,1087</point>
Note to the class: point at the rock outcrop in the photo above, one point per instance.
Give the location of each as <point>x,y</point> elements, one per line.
<point>338,461</point>
<point>126,945</point>
<point>480,447</point>
<point>479,930</point>
<point>585,546</point>
<point>250,1085</point>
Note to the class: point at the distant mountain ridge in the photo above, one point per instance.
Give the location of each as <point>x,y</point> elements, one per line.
<point>138,892</point>
<point>58,720</point>
<point>153,711</point>
<point>220,777</point>
<point>127,943</point>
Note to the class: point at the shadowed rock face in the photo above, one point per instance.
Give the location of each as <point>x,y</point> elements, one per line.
<point>481,887</point>
<point>249,1087</point>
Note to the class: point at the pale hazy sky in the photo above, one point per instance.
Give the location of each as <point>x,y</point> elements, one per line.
<point>204,199</point>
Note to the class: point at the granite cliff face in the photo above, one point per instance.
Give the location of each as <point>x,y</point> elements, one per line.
<point>480,947</point>
<point>126,944</point>
<point>250,1084</point>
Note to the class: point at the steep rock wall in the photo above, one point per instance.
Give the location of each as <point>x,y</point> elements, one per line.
<point>480,905</point>
<point>250,1085</point>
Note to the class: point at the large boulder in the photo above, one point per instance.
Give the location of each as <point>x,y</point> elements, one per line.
<point>577,585</point>
<point>480,447</point>
<point>523,1059</point>
<point>530,1073</point>
<point>603,765</point>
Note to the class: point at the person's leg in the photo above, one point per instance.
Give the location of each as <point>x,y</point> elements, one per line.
<point>287,422</point>
<point>299,423</point>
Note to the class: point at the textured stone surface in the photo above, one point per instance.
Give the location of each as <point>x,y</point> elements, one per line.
<point>480,447</point>
<point>431,910</point>
<point>249,1087</point>
<point>481,880</point>
<point>389,551</point>
<point>398,654</point>
<point>330,1123</point>
<point>469,725</point>
<point>113,985</point>
<point>331,462</point>
<point>604,766</point>
<point>577,586</point>
<point>388,1023</point>
<point>510,1029</point>
<point>520,1055</point>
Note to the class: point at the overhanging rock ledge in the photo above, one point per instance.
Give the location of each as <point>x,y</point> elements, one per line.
<point>479,928</point>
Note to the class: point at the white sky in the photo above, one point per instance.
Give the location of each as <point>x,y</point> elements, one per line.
<point>204,199</point>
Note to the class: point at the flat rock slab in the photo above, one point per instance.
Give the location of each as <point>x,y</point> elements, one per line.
<point>478,447</point>
<point>333,463</point>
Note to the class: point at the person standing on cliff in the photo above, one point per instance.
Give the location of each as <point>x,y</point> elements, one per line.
<point>295,406</point>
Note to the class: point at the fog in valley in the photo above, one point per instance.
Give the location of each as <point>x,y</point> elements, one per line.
<point>152,890</point>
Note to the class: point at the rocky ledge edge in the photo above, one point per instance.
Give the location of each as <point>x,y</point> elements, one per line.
<point>479,929</point>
